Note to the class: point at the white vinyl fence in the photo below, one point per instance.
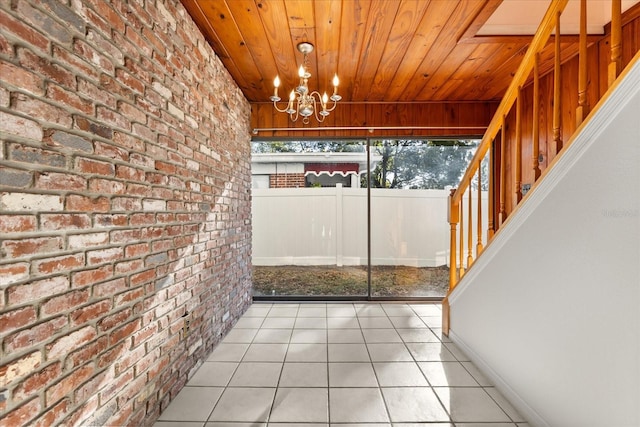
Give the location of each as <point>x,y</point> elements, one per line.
<point>328,226</point>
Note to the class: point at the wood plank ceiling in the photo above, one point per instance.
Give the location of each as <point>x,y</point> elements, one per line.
<point>382,50</point>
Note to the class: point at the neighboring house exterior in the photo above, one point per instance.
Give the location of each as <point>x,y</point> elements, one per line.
<point>297,170</point>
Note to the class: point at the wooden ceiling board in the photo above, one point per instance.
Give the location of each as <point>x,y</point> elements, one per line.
<point>410,15</point>
<point>379,23</point>
<point>382,50</point>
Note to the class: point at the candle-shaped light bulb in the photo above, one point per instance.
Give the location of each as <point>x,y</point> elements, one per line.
<point>336,82</point>
<point>325,99</point>
<point>301,71</point>
<point>276,85</point>
<point>292,97</point>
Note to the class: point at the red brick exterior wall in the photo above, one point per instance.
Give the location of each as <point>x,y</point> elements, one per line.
<point>287,180</point>
<point>124,208</point>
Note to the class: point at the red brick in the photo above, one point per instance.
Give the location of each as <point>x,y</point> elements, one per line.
<point>109,288</point>
<point>61,221</point>
<point>129,173</point>
<point>126,204</point>
<point>114,320</point>
<point>94,166</point>
<point>129,266</point>
<point>70,60</point>
<point>124,332</point>
<point>35,335</point>
<point>59,264</point>
<point>44,66</point>
<point>112,220</point>
<point>104,255</point>
<point>67,385</point>
<point>13,371</point>
<point>92,55</point>
<point>34,246</point>
<point>114,387</point>
<point>89,277</point>
<point>93,127</point>
<point>12,273</point>
<point>112,118</point>
<point>106,186</point>
<point>60,181</point>
<point>98,94</point>
<point>75,202</point>
<point>37,290</point>
<point>127,297</point>
<point>16,319</point>
<point>131,82</point>
<point>83,241</point>
<point>23,415</point>
<point>38,381</point>
<point>23,31</point>
<point>17,223</point>
<point>92,386</point>
<point>86,353</point>
<point>111,355</point>
<point>53,415</point>
<point>90,312</point>
<point>69,99</point>
<point>20,126</point>
<point>21,78</point>
<point>37,109</point>
<point>132,112</point>
<point>143,277</point>
<point>64,302</point>
<point>70,341</point>
<point>139,249</point>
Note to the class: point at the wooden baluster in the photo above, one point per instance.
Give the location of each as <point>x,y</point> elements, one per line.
<point>461,267</point>
<point>479,244</point>
<point>470,232</point>
<point>583,107</point>
<point>503,165</point>
<point>536,118</point>
<point>490,229</point>
<point>518,171</point>
<point>557,99</point>
<point>616,41</point>
<point>453,222</point>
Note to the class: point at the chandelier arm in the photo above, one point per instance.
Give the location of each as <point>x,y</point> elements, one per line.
<point>281,111</point>
<point>315,110</point>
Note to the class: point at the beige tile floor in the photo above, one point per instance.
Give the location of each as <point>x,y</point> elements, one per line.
<point>341,364</point>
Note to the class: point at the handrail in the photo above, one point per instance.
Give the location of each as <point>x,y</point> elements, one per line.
<point>495,139</point>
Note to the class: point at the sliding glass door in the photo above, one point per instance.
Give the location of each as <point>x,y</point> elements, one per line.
<point>354,219</point>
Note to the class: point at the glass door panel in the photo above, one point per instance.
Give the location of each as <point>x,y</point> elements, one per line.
<point>410,184</point>
<point>309,219</point>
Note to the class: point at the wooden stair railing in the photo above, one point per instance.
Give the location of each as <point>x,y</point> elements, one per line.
<point>494,141</point>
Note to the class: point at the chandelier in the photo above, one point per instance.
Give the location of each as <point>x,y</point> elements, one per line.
<point>303,103</point>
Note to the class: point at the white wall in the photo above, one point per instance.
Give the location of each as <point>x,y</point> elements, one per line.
<point>328,226</point>
<point>551,311</point>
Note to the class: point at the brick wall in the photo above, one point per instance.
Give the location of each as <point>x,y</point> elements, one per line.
<point>287,180</point>
<point>124,208</point>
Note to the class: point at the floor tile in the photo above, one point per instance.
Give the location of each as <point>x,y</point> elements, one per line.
<point>265,353</point>
<point>309,336</point>
<point>304,375</point>
<point>389,352</point>
<point>459,354</point>
<point>311,323</point>
<point>301,405</point>
<point>486,425</point>
<point>213,374</point>
<point>256,374</point>
<point>192,404</point>
<point>348,353</point>
<point>399,374</point>
<point>477,375</point>
<point>228,352</point>
<point>353,336</point>
<point>375,323</point>
<point>430,352</point>
<point>447,374</point>
<point>249,323</point>
<point>369,310</point>
<point>279,322</point>
<point>407,322</point>
<point>312,311</point>
<point>244,404</point>
<point>426,309</point>
<point>307,353</point>
<point>417,335</point>
<point>352,375</point>
<point>467,404</point>
<point>272,336</point>
<point>240,336</point>
<point>381,336</point>
<point>257,310</point>
<point>343,311</point>
<point>343,323</point>
<point>283,312</point>
<point>432,321</point>
<point>438,332</point>
<point>178,424</point>
<point>397,310</point>
<point>357,405</point>
<point>413,404</point>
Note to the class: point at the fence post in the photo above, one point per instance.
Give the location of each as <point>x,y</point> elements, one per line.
<point>339,223</point>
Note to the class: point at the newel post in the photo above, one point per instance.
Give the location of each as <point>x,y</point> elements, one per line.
<point>453,215</point>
